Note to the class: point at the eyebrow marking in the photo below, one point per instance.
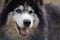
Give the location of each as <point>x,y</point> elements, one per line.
<point>27,8</point>
<point>30,9</point>
<point>21,7</point>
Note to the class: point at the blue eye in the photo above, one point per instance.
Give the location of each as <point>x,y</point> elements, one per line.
<point>19,11</point>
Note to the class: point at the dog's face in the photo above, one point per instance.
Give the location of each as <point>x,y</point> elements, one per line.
<point>25,19</point>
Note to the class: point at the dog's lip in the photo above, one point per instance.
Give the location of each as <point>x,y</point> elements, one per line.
<point>23,31</point>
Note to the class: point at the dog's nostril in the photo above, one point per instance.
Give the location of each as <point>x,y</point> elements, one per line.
<point>27,22</point>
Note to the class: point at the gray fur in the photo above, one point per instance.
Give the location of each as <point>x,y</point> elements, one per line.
<point>53,12</point>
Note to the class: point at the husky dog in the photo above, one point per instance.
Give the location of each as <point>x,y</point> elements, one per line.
<point>20,16</point>
<point>19,21</point>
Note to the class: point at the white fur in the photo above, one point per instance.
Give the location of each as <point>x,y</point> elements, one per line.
<point>20,17</point>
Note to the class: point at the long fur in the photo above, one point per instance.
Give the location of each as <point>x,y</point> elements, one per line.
<point>7,33</point>
<point>53,19</point>
<point>46,13</point>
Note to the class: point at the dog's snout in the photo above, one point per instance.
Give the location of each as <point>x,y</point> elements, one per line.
<point>27,22</point>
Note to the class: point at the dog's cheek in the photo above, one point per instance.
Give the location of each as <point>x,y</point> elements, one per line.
<point>31,24</point>
<point>36,21</point>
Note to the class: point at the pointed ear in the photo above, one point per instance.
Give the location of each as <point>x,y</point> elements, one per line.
<point>38,2</point>
<point>41,2</point>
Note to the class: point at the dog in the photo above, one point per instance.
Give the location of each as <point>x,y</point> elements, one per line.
<point>19,17</point>
<point>19,22</point>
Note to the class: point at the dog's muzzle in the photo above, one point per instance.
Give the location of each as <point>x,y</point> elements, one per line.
<point>27,23</point>
<point>25,30</point>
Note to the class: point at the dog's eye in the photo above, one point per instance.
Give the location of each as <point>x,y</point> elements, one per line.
<point>30,12</point>
<point>19,11</point>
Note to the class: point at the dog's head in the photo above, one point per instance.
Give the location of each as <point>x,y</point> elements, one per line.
<point>25,18</point>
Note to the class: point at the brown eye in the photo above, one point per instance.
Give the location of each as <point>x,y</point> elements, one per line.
<point>30,12</point>
<point>19,11</point>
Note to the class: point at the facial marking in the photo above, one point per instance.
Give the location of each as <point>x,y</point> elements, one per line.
<point>30,9</point>
<point>26,16</point>
<point>19,18</point>
<point>21,7</point>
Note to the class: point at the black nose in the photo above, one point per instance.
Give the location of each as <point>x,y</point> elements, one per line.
<point>27,22</point>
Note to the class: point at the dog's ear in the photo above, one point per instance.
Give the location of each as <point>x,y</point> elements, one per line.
<point>41,2</point>
<point>10,7</point>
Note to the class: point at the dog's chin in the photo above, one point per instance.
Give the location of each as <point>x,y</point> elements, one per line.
<point>23,31</point>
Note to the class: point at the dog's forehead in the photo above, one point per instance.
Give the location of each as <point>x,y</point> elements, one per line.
<point>22,7</point>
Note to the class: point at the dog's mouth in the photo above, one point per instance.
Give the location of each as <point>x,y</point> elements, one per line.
<point>23,31</point>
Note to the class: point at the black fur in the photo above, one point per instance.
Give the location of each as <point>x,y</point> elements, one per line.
<point>10,7</point>
<point>53,18</point>
<point>53,14</point>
